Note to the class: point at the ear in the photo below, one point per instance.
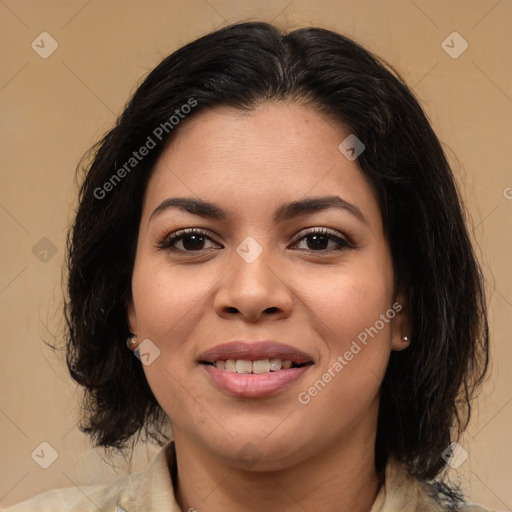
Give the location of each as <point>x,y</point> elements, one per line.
<point>131,317</point>
<point>401,331</point>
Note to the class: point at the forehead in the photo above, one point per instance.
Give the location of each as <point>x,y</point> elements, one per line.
<point>249,160</point>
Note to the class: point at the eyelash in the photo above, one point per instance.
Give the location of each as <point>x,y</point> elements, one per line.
<point>167,240</point>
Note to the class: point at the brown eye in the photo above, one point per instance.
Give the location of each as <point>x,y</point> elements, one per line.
<point>189,240</point>
<point>318,240</point>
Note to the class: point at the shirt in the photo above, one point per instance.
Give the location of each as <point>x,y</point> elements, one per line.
<point>151,490</point>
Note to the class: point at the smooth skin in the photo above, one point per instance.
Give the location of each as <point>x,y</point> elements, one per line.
<point>299,291</point>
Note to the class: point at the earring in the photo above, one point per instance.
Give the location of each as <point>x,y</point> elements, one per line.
<point>131,341</point>
<point>405,338</point>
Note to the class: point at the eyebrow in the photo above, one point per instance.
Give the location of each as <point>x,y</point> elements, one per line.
<point>283,213</point>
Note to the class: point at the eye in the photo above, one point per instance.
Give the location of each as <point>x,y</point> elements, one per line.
<point>190,239</point>
<point>194,240</point>
<point>319,239</point>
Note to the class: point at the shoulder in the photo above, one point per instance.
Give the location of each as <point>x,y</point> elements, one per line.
<point>430,499</point>
<point>404,493</point>
<point>150,489</point>
<point>473,507</point>
<point>91,498</point>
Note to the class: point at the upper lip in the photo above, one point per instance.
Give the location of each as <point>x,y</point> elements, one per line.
<point>254,350</point>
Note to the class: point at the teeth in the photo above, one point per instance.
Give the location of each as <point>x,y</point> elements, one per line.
<point>243,366</point>
<point>257,367</point>
<point>231,365</point>
<point>261,366</point>
<point>275,364</point>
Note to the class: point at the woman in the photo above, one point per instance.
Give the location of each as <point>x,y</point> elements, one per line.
<point>273,228</point>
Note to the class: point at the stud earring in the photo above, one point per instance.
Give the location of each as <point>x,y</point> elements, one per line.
<point>131,342</point>
<point>405,338</point>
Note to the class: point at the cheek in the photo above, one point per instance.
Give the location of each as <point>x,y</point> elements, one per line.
<point>347,381</point>
<point>168,303</point>
<point>354,315</point>
<point>352,299</point>
<point>169,306</point>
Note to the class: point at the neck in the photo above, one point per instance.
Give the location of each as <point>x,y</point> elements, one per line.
<point>339,478</point>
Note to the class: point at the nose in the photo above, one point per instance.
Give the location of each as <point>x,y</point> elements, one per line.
<point>254,291</point>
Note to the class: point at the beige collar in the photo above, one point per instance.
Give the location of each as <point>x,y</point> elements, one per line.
<point>152,489</point>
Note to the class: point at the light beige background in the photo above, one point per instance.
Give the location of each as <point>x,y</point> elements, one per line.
<point>53,109</point>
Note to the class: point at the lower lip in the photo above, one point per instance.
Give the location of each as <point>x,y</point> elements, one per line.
<point>250,385</point>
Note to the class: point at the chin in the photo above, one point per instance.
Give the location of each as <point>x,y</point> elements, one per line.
<point>256,452</point>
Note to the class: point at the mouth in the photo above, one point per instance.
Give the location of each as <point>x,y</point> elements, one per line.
<point>254,369</point>
<point>257,367</point>
<point>240,355</point>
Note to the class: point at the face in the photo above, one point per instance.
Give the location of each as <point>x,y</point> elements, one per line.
<point>319,280</point>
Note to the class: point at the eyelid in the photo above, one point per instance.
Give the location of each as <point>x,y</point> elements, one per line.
<point>168,236</point>
<point>165,240</point>
<point>321,231</point>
